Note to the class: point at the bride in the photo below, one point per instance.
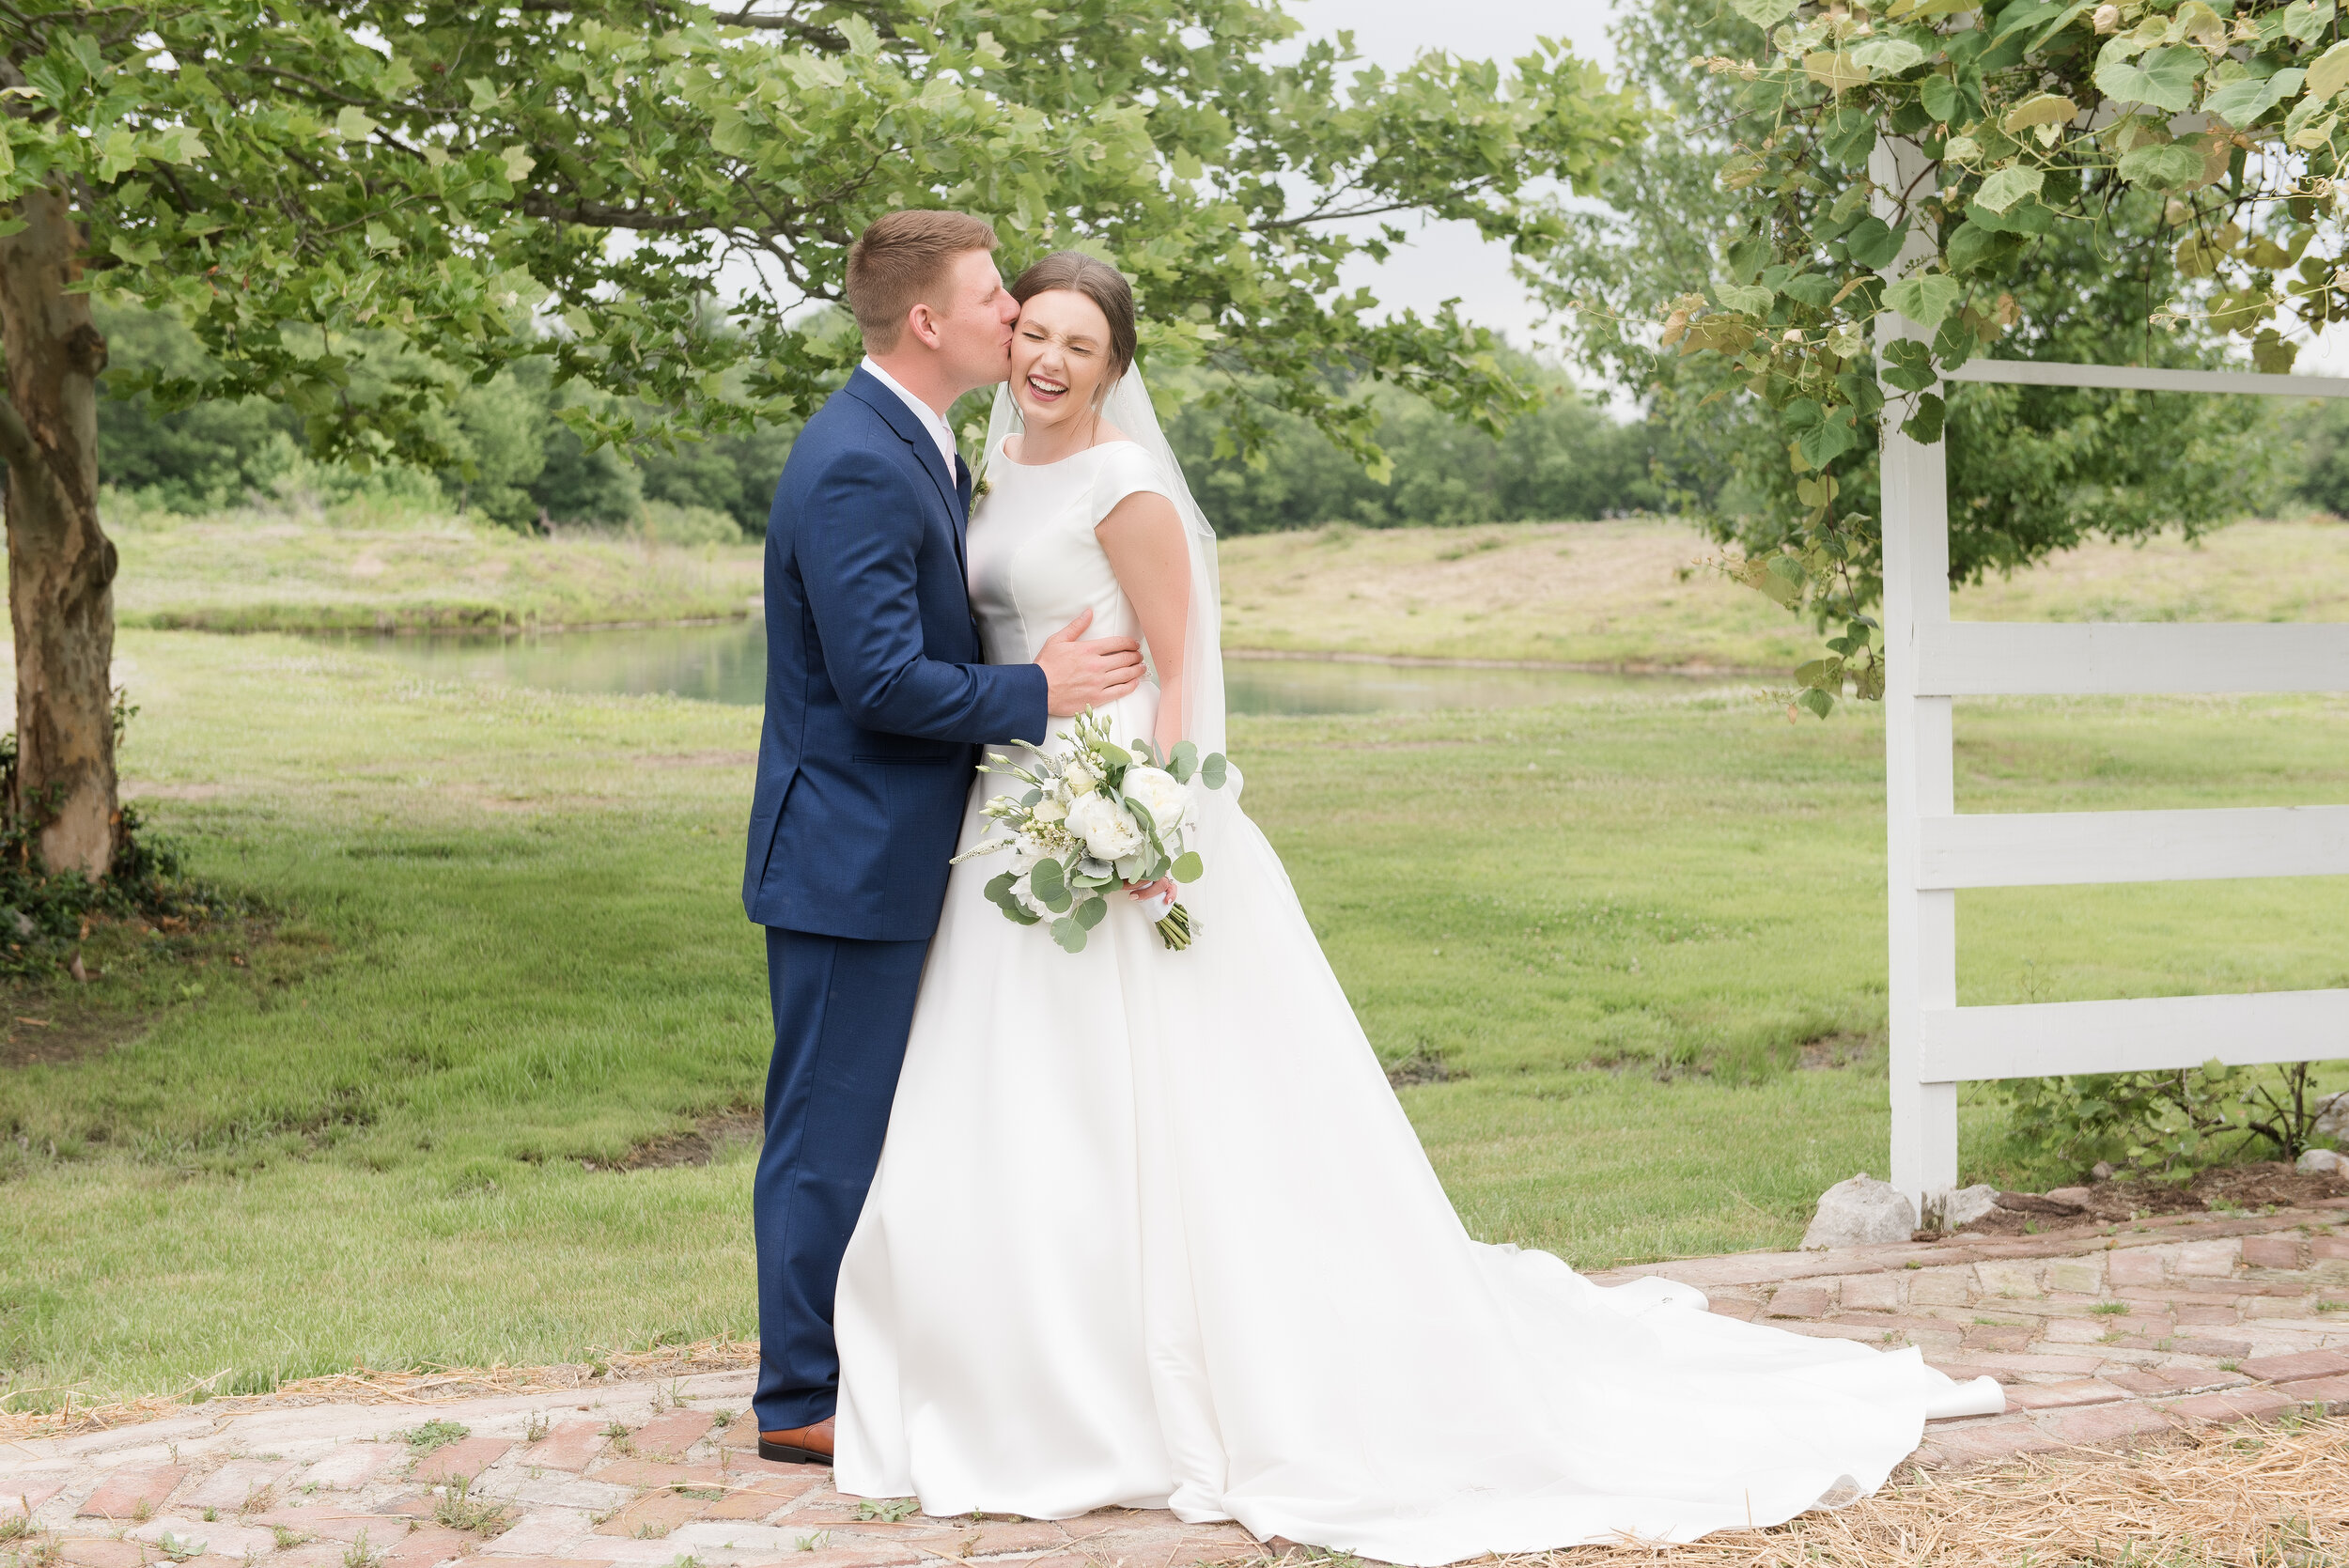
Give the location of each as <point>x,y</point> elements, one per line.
<point>1149,1228</point>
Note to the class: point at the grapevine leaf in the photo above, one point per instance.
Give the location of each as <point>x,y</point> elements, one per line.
<point>1924,425</point>
<point>2329,74</point>
<point>1835,69</point>
<point>1925,298</point>
<point>2242,101</point>
<point>1818,701</point>
<point>1764,14</point>
<point>1887,56</point>
<point>2009,185</point>
<point>1747,299</point>
<point>2038,109</point>
<point>1911,364</point>
<point>1939,95</point>
<point>2177,166</point>
<point>1872,245</point>
<point>2164,79</point>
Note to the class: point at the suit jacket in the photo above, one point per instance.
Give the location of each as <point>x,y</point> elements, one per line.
<point>877,697</point>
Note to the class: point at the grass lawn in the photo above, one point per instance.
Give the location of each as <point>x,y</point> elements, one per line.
<point>1614,593</point>
<point>404,570</point>
<point>507,944</point>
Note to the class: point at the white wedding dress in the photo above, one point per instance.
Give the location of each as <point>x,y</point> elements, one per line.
<point>1151,1230</point>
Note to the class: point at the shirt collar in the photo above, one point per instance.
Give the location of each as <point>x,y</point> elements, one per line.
<point>931,419</point>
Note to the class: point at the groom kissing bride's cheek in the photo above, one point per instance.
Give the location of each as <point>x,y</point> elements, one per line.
<point>1033,1214</point>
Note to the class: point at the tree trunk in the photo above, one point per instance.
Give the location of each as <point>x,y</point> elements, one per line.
<point>61,566</point>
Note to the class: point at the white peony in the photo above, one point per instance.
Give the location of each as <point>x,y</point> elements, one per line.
<point>1108,832</point>
<point>1078,780</point>
<point>1166,798</point>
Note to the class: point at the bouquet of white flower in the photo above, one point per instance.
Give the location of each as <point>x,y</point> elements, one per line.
<point>1094,817</point>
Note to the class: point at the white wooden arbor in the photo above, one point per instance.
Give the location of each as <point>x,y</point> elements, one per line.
<point>1934,850</point>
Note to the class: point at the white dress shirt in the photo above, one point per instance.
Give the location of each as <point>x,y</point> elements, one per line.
<point>930,417</point>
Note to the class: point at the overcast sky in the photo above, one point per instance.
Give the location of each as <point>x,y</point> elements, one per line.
<point>1449,259</point>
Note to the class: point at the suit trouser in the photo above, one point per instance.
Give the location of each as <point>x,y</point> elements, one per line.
<point>843,1008</point>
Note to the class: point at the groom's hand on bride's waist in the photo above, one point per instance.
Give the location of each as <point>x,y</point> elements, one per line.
<point>1081,675</point>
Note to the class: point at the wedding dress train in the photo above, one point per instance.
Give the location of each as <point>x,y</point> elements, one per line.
<point>1151,1230</point>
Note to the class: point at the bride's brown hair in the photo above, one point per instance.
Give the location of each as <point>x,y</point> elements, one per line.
<point>1099,282</point>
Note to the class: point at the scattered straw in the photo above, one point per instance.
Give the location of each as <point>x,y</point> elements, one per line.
<point>2242,1496</point>
<point>418,1386</point>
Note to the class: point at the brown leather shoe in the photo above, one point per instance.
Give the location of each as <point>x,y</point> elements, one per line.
<point>798,1444</point>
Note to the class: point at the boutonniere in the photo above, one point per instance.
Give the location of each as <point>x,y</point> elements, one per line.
<point>980,486</point>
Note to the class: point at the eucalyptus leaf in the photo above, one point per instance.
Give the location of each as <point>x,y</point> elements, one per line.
<point>1184,763</point>
<point>1211,773</point>
<point>1048,881</point>
<point>1188,867</point>
<point>1069,934</point>
<point>1088,914</point>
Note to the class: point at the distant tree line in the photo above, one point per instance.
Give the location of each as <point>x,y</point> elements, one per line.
<point>1570,459</point>
<point>516,463</point>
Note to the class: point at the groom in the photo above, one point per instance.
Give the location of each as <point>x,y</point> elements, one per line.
<point>875,701</point>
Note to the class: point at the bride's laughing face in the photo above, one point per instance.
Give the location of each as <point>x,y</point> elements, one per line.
<point>1060,354</point>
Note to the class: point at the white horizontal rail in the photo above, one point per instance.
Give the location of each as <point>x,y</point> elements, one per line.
<point>2151,1035</point>
<point>2130,377</point>
<point>1980,658</point>
<point>2034,849</point>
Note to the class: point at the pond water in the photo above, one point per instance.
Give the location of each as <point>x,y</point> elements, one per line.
<point>727,664</point>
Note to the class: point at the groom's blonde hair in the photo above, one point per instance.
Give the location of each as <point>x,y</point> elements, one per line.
<point>901,260</point>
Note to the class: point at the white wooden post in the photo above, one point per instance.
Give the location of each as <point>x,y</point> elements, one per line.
<point>1932,851</point>
<point>1917,741</point>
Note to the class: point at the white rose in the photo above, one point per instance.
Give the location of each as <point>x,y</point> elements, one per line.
<point>1166,798</point>
<point>1048,809</point>
<point>1108,832</point>
<point>1078,779</point>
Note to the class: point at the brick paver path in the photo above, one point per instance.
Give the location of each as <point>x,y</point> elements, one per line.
<point>2099,1333</point>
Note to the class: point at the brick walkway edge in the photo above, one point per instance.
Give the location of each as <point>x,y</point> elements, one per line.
<point>2100,1334</point>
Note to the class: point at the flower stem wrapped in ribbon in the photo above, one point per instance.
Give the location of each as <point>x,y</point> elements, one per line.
<point>1096,816</point>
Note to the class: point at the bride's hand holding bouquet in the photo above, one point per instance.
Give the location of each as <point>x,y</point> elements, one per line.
<point>1095,815</point>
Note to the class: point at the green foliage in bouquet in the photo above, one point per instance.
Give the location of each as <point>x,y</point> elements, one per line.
<point>1096,816</point>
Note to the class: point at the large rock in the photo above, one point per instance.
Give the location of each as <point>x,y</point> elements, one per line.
<point>2321,1162</point>
<point>1860,1212</point>
<point>2332,1117</point>
<point>1968,1204</point>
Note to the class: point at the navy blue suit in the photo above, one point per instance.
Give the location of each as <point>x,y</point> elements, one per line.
<point>876,704</point>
